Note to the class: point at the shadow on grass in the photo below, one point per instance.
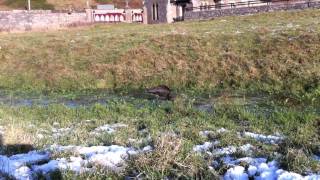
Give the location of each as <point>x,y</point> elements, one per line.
<point>14,149</point>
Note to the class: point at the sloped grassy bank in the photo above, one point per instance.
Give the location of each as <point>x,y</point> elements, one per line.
<point>275,53</point>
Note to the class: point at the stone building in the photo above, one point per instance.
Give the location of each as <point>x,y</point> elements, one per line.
<point>163,11</point>
<point>109,14</point>
<point>168,11</point>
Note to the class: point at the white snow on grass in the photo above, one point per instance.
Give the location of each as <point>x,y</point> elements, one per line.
<point>225,150</point>
<point>107,128</point>
<point>16,166</point>
<point>222,130</point>
<point>255,168</point>
<point>270,139</point>
<point>260,169</point>
<point>236,173</point>
<point>75,164</point>
<point>206,133</point>
<point>209,148</point>
<point>205,146</point>
<point>111,157</point>
<point>84,159</point>
<point>60,132</point>
<point>247,148</point>
<point>147,149</point>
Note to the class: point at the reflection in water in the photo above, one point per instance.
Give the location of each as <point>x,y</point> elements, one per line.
<point>259,105</point>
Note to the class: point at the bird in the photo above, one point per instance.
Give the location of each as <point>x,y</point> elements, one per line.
<point>163,92</point>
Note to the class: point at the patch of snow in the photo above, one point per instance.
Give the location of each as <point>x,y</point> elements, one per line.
<point>317,158</point>
<point>16,166</point>
<point>56,132</point>
<point>205,146</point>
<point>271,139</point>
<point>205,133</point>
<point>30,158</point>
<point>108,128</point>
<point>75,164</point>
<point>247,148</point>
<point>225,151</point>
<point>252,161</point>
<point>222,130</point>
<point>252,170</point>
<point>29,165</point>
<point>236,173</point>
<point>260,169</point>
<point>147,149</point>
<point>284,175</point>
<point>111,157</point>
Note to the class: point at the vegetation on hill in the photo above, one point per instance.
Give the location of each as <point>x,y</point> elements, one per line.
<point>250,53</point>
<point>18,4</point>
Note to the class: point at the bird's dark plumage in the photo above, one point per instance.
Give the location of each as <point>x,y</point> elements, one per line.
<point>162,91</point>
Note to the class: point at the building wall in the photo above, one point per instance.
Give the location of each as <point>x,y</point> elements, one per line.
<point>20,20</point>
<point>172,12</point>
<point>39,20</point>
<point>123,15</point>
<point>162,11</point>
<point>209,14</point>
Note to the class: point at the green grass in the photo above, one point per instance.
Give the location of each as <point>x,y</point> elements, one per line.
<point>276,53</point>
<point>38,4</point>
<point>274,56</point>
<point>181,118</point>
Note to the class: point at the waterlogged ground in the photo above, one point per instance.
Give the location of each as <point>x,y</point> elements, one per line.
<point>229,137</point>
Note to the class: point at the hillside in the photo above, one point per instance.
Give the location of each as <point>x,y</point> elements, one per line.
<point>64,4</point>
<point>74,105</point>
<point>251,53</point>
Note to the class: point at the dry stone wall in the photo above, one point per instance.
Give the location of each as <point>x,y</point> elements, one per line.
<point>209,14</point>
<point>39,20</point>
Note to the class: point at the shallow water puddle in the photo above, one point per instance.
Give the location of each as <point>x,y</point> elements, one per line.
<point>45,101</point>
<point>201,104</point>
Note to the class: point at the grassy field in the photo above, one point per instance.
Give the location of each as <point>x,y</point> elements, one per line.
<point>271,61</point>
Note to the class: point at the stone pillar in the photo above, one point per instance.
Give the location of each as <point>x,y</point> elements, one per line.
<point>128,13</point>
<point>145,14</point>
<point>89,14</point>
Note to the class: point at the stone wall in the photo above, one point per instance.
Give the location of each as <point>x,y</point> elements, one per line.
<point>163,6</point>
<point>209,14</point>
<point>39,20</point>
